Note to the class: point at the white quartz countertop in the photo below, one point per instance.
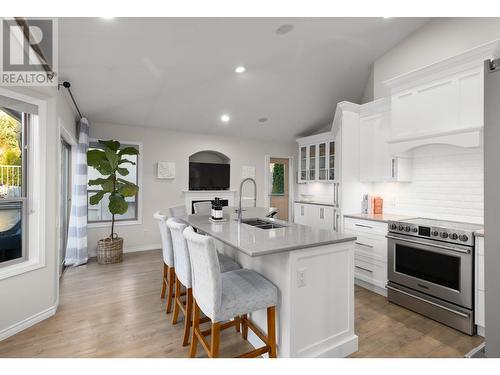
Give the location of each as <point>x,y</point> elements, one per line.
<point>385,218</point>
<point>319,203</point>
<point>254,241</point>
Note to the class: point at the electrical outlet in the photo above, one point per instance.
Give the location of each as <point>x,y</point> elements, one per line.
<point>301,277</point>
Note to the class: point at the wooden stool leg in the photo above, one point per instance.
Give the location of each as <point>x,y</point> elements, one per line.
<point>244,326</point>
<point>215,339</point>
<point>188,317</point>
<point>196,328</point>
<point>164,281</point>
<point>170,295</point>
<point>271,330</point>
<point>237,326</point>
<point>177,300</point>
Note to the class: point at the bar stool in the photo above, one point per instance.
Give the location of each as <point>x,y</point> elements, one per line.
<point>178,211</point>
<point>225,296</point>
<point>183,275</point>
<point>168,260</point>
<point>202,208</point>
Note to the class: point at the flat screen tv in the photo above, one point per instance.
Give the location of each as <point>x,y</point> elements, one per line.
<point>208,176</point>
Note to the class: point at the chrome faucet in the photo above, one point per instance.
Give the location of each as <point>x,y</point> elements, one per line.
<point>241,193</point>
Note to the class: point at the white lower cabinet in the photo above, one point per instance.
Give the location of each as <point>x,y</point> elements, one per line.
<point>479,292</point>
<point>370,253</point>
<point>315,215</point>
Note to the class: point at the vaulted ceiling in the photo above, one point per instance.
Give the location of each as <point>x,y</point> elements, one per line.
<point>179,73</point>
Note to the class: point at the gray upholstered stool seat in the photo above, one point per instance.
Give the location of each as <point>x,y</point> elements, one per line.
<point>244,291</point>
<point>226,263</point>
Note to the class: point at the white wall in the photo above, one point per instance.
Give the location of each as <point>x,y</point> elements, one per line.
<point>447,184</point>
<point>24,297</point>
<point>165,145</point>
<point>438,39</point>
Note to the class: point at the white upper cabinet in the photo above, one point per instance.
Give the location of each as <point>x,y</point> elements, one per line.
<point>316,158</point>
<point>376,163</point>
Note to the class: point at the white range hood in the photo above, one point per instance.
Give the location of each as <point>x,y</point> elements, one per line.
<point>442,103</point>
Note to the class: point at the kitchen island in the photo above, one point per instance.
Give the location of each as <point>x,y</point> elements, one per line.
<point>314,272</point>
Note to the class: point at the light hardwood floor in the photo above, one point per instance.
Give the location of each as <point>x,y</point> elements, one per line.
<point>116,311</point>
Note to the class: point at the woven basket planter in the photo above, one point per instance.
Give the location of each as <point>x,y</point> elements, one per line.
<point>110,250</point>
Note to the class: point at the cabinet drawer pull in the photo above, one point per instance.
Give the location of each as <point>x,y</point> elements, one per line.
<point>364,269</point>
<point>363,244</point>
<point>363,226</point>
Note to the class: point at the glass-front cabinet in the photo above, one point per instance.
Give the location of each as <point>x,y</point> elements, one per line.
<point>303,164</point>
<point>331,161</point>
<point>316,159</point>
<point>312,162</point>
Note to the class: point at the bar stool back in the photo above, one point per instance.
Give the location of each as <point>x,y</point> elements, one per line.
<point>228,295</point>
<point>168,260</point>
<point>178,211</point>
<point>183,275</point>
<point>202,208</point>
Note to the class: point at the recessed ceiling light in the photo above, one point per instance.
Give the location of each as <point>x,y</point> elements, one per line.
<point>284,29</point>
<point>107,18</point>
<point>263,120</point>
<point>240,69</point>
<point>386,17</point>
<point>225,118</point>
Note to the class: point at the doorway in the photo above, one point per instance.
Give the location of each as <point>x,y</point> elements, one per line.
<point>279,186</point>
<point>65,203</point>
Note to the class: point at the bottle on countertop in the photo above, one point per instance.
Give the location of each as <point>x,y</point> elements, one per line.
<point>365,204</point>
<point>217,209</point>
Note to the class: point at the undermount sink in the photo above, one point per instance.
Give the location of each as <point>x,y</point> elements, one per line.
<point>262,224</point>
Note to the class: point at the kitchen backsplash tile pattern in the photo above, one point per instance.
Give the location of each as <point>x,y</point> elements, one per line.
<point>447,184</point>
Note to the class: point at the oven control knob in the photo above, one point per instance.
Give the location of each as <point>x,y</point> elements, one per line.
<point>401,227</point>
<point>394,226</point>
<point>407,228</point>
<point>444,235</point>
<point>435,233</point>
<point>453,236</point>
<point>464,238</point>
<point>415,230</point>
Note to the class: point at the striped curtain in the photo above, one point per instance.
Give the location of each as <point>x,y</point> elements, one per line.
<point>76,249</point>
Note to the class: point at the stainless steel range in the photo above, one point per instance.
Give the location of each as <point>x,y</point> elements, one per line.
<point>431,269</point>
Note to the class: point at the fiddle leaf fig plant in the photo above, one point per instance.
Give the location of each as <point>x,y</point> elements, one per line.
<point>109,162</point>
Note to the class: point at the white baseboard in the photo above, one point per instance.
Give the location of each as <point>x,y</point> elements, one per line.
<point>373,288</point>
<point>28,322</point>
<point>340,349</point>
<point>481,331</point>
<point>134,249</point>
<point>131,249</point>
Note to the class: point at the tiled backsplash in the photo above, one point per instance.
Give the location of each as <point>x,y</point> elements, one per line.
<point>447,184</point>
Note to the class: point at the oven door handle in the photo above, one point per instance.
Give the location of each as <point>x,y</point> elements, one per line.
<point>463,251</point>
<point>429,302</point>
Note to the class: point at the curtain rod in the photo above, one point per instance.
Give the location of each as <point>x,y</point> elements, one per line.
<point>67,85</point>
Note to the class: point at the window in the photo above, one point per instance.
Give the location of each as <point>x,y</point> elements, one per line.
<point>23,187</point>
<point>277,175</point>
<point>13,184</point>
<point>100,213</point>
